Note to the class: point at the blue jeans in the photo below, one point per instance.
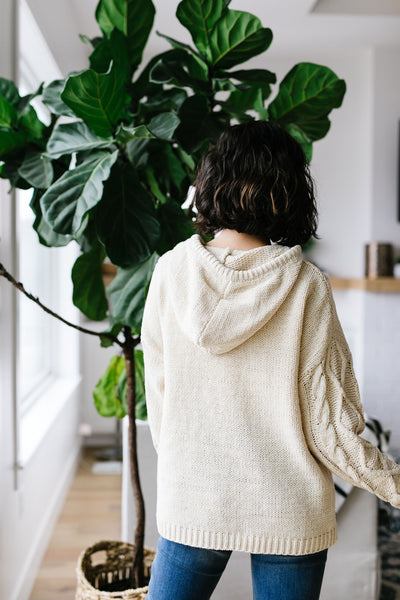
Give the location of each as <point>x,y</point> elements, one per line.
<point>181,572</point>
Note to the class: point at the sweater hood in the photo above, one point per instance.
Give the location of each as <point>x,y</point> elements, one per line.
<point>228,295</point>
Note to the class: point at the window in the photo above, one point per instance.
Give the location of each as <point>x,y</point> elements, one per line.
<point>36,263</point>
<point>44,372</point>
<point>34,325</point>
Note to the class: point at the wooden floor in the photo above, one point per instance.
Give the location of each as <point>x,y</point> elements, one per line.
<point>92,512</point>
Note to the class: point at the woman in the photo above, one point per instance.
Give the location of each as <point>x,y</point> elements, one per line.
<point>252,400</point>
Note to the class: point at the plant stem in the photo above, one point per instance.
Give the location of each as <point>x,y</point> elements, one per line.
<point>137,569</point>
<point>20,287</point>
<point>210,93</point>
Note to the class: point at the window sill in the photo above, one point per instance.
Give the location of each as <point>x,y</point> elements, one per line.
<point>38,420</point>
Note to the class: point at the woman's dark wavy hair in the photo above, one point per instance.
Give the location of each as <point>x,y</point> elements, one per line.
<point>256,180</point>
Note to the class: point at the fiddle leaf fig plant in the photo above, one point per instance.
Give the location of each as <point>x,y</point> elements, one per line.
<point>111,170</point>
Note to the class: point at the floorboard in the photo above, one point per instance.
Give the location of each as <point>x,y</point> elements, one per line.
<point>92,512</point>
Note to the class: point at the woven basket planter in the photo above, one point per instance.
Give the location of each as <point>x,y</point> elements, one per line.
<point>107,565</point>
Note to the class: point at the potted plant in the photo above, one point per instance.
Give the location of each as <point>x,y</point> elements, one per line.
<point>114,176</point>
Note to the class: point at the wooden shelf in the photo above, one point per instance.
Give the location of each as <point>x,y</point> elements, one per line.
<point>380,284</point>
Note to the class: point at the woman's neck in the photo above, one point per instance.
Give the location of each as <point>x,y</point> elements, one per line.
<point>230,238</point>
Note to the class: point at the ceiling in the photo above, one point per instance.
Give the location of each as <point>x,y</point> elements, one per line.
<point>329,25</point>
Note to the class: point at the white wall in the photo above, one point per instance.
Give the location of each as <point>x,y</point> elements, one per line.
<point>342,169</point>
<point>7,317</point>
<point>384,225</point>
<point>341,164</point>
<point>381,382</point>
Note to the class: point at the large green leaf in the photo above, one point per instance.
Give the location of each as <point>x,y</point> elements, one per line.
<point>97,98</point>
<point>17,128</point>
<point>29,121</point>
<point>164,125</point>
<point>127,292</point>
<point>106,399</point>
<point>8,114</point>
<point>9,91</point>
<point>187,160</point>
<point>170,99</point>
<point>114,329</point>
<point>68,138</point>
<point>51,97</point>
<point>262,76</point>
<point>200,17</point>
<point>220,84</point>
<point>173,171</point>
<point>236,37</point>
<point>10,170</point>
<point>89,294</point>
<point>36,169</point>
<point>126,134</point>
<point>87,237</point>
<point>126,219</point>
<point>152,182</point>
<point>259,105</point>
<point>198,123</point>
<point>178,44</point>
<point>306,96</point>
<point>11,138</point>
<point>180,68</point>
<point>193,115</point>
<point>94,42</point>
<point>239,102</point>
<point>166,170</point>
<point>301,138</point>
<point>67,201</point>
<point>133,17</point>
<point>250,95</point>
<point>137,151</point>
<point>113,49</point>
<point>19,122</point>
<point>143,87</point>
<point>175,225</point>
<point>24,103</point>
<point>47,236</point>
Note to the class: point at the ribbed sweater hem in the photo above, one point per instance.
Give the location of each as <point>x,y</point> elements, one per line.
<point>247,543</point>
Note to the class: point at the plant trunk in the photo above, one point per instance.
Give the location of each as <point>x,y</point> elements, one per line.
<point>137,569</point>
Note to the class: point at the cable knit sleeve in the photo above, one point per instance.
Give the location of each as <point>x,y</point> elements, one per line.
<point>151,339</point>
<point>333,416</point>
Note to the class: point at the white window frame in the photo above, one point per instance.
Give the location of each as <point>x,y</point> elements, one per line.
<point>36,64</point>
<point>28,396</point>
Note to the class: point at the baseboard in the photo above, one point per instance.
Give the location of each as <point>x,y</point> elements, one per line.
<point>99,440</point>
<point>29,572</point>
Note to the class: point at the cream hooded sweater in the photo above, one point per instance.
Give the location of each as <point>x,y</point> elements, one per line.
<point>252,401</point>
